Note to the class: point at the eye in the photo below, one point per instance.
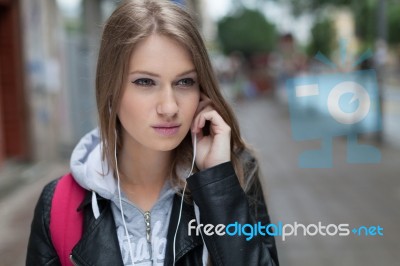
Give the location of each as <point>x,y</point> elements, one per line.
<point>144,82</point>
<point>186,82</point>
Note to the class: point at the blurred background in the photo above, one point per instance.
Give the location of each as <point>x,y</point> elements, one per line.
<point>48,51</point>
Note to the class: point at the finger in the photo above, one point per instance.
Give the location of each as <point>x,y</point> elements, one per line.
<point>200,121</point>
<point>199,135</point>
<point>199,124</point>
<point>195,121</point>
<point>217,123</point>
<point>195,128</point>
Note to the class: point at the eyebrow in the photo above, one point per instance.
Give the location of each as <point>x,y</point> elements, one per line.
<point>156,75</point>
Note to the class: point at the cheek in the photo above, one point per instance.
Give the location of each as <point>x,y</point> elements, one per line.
<point>132,108</point>
<point>127,107</point>
<point>191,105</point>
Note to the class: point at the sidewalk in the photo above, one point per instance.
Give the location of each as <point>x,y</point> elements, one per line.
<point>20,186</point>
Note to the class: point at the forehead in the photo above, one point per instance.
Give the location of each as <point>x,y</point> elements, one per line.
<point>160,54</point>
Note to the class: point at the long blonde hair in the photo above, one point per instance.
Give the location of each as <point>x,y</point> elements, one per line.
<point>132,22</point>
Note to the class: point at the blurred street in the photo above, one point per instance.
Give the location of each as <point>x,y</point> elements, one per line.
<point>391,121</point>
<point>354,194</point>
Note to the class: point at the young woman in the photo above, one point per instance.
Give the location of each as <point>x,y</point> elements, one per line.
<point>161,119</point>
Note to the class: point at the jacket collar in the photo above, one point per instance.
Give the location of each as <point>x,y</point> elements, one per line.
<point>100,243</point>
<point>88,200</point>
<point>183,242</point>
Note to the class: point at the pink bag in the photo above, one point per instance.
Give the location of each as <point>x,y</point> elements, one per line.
<point>66,223</point>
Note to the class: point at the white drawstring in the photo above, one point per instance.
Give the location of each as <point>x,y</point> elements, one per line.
<point>95,206</point>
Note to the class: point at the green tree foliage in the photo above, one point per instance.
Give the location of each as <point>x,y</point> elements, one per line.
<point>365,14</point>
<point>246,31</point>
<point>301,6</point>
<point>394,24</point>
<point>322,38</point>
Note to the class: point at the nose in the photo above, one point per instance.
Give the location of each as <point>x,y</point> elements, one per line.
<point>167,105</point>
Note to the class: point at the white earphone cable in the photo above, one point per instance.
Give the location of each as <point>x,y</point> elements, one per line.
<point>194,138</point>
<point>181,205</point>
<point>120,201</point>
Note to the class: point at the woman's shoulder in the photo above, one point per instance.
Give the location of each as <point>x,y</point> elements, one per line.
<point>48,190</point>
<point>67,181</point>
<point>42,211</point>
<point>45,199</point>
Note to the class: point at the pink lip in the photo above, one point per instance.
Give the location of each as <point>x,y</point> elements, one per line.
<point>167,129</point>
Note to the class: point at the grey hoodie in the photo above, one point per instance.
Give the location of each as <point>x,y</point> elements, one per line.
<point>91,172</point>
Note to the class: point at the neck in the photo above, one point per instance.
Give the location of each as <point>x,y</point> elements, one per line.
<point>143,167</point>
<point>142,172</point>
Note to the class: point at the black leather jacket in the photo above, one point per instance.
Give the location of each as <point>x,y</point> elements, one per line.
<point>221,200</point>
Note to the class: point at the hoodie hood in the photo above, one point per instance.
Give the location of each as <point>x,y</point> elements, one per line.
<point>88,168</point>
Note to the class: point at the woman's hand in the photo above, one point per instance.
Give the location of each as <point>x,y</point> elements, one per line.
<point>212,149</point>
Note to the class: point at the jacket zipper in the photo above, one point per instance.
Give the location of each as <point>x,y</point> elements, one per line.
<point>148,225</point>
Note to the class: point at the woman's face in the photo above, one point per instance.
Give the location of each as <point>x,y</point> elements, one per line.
<point>160,96</point>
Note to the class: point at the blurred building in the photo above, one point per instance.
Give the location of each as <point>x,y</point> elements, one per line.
<point>14,137</point>
<point>47,72</point>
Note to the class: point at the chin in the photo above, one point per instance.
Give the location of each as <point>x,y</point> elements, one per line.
<point>166,146</point>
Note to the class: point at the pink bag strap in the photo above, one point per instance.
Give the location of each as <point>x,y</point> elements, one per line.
<point>66,222</point>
